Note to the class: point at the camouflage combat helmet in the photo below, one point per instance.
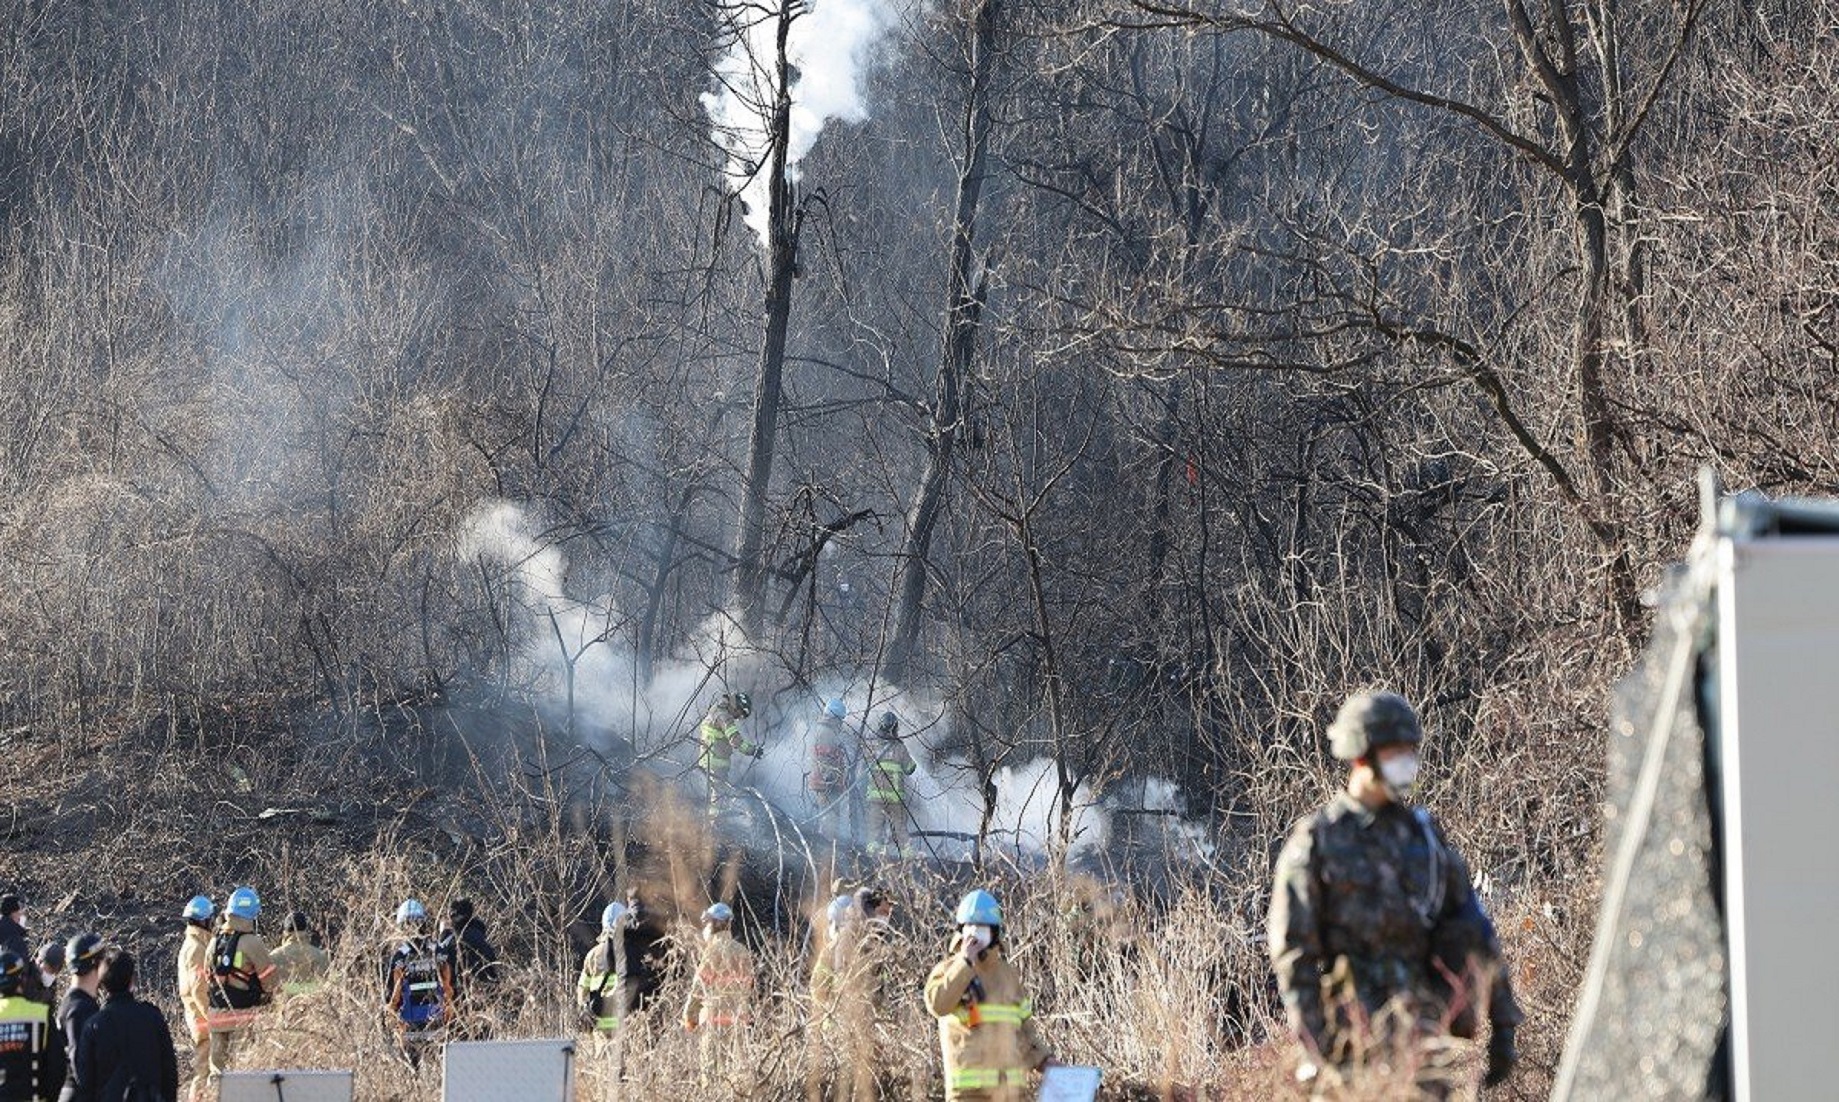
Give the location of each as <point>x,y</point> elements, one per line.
<point>1367,720</point>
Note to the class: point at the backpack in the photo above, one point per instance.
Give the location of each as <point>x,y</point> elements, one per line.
<point>421,985</point>
<point>224,968</point>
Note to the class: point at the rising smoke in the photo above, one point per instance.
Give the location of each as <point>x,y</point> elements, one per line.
<point>658,715</point>
<point>828,45</point>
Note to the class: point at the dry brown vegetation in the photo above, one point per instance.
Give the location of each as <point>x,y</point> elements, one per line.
<point>1151,375</point>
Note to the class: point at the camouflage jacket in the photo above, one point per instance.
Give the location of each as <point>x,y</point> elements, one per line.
<point>1371,906</point>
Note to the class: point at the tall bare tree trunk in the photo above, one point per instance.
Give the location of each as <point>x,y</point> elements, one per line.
<point>781,265</point>
<point>964,297</point>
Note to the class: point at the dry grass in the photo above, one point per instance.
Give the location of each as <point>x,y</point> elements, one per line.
<point>1167,990</point>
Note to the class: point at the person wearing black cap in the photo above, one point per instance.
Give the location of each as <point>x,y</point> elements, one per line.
<point>13,927</point>
<point>127,1042</point>
<point>84,956</point>
<point>474,961</point>
<point>50,960</point>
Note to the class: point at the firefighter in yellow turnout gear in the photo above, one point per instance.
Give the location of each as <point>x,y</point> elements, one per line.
<point>242,976</point>
<point>720,738</point>
<point>721,992</point>
<point>889,766</point>
<point>195,988</point>
<point>300,965</point>
<point>986,1022</point>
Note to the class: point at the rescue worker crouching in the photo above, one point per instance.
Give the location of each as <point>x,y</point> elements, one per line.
<point>32,1058</point>
<point>195,987</point>
<point>300,964</point>
<point>241,978</point>
<point>721,991</point>
<point>986,1022</point>
<point>889,767</point>
<point>417,984</point>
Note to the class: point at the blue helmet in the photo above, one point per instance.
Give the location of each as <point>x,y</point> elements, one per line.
<point>411,911</point>
<point>720,912</point>
<point>979,908</point>
<point>838,911</point>
<point>836,708</point>
<point>244,903</point>
<point>199,909</point>
<point>610,917</point>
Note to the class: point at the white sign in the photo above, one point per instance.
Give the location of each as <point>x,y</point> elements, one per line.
<point>1070,1083</point>
<point>285,1086</point>
<point>492,1071</point>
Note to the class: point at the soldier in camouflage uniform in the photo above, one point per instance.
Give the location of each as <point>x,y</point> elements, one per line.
<point>1381,948</point>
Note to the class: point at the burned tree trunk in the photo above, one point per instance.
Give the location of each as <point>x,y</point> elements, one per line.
<point>964,297</point>
<point>781,266</point>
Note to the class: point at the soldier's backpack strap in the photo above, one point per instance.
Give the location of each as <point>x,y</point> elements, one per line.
<point>1432,904</point>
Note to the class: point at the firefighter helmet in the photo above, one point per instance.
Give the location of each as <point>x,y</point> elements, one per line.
<point>410,911</point>
<point>719,912</point>
<point>244,903</point>
<point>610,917</point>
<point>888,726</point>
<point>979,908</point>
<point>199,909</point>
<point>739,705</point>
<point>836,709</point>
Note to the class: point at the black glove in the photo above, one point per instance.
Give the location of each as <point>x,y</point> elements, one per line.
<point>759,752</point>
<point>1501,1056</point>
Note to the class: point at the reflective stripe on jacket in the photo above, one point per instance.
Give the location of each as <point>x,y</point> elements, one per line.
<point>887,774</point>
<point>724,983</point>
<point>720,738</point>
<point>986,1026</point>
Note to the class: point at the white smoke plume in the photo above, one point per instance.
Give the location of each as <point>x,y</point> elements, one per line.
<point>829,44</point>
<point>659,715</point>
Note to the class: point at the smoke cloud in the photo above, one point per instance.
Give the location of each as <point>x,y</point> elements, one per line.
<point>659,715</point>
<point>829,45</point>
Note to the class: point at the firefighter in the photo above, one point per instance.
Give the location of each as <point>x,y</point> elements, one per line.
<point>830,769</point>
<point>300,964</point>
<point>195,987</point>
<point>849,994</point>
<point>888,771</point>
<point>601,972</point>
<point>986,1022</point>
<point>241,979</point>
<point>31,1046</point>
<point>720,991</point>
<point>84,958</point>
<point>720,738</point>
<point>417,984</point>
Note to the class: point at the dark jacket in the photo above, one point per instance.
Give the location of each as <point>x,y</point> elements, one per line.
<point>13,938</point>
<point>127,1054</point>
<point>472,957</point>
<point>72,1015</point>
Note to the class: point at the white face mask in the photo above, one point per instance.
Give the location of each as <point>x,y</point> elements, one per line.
<point>1400,774</point>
